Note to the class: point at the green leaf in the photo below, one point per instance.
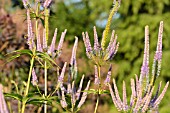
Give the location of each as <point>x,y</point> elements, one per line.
<point>91,91</point>
<point>14,96</point>
<point>13,57</point>
<point>104,92</point>
<point>46,57</point>
<point>24,51</point>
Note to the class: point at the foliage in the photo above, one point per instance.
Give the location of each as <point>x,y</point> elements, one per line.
<point>82,15</point>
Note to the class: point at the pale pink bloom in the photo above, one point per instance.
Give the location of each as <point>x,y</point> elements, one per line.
<point>3,105</point>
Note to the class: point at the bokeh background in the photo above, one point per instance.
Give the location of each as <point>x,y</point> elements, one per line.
<point>78,16</point>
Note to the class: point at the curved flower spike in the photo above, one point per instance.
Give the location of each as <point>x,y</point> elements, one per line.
<point>84,96</point>
<point>52,46</point>
<point>61,42</point>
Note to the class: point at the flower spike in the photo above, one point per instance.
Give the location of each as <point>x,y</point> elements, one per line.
<point>30,40</point>
<point>158,100</point>
<point>97,47</point>
<point>61,77</point>
<point>107,80</point>
<point>61,42</point>
<point>47,3</point>
<point>34,77</point>
<point>3,105</point>
<point>80,87</point>
<point>96,80</point>
<point>39,47</point>
<point>84,96</point>
<point>52,46</point>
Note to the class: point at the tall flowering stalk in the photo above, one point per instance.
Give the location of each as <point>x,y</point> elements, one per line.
<point>99,54</point>
<point>142,91</point>
<point>41,51</point>
<point>71,91</point>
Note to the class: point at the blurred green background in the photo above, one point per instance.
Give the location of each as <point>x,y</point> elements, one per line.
<point>78,16</point>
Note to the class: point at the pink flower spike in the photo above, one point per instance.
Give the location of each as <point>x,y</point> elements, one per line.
<point>73,57</point>
<point>113,49</point>
<point>47,3</point>
<point>114,98</point>
<point>79,89</point>
<point>111,41</point>
<point>158,54</point>
<point>125,106</point>
<point>61,77</point>
<point>30,40</point>
<point>52,46</point>
<point>84,96</point>
<point>61,42</point>
<point>96,80</point>
<point>96,42</point>
<point>44,40</point>
<point>145,65</point>
<point>158,100</point>
<point>107,80</point>
<point>133,95</point>
<point>34,77</point>
<point>87,44</point>
<point>39,47</point>
<point>63,100</point>
<point>119,102</point>
<point>3,105</point>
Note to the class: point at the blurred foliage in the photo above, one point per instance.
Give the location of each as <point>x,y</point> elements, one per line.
<point>81,15</point>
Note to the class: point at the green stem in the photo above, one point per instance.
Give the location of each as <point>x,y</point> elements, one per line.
<point>57,87</point>
<point>45,88</point>
<point>97,103</point>
<point>46,22</point>
<point>28,84</point>
<point>38,90</point>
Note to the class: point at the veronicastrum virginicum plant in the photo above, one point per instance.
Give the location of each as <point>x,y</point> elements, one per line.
<point>70,98</point>
<point>43,53</point>
<point>100,55</point>
<point>142,98</point>
<point>50,51</point>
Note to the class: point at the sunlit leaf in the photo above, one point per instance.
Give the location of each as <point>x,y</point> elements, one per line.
<point>14,96</point>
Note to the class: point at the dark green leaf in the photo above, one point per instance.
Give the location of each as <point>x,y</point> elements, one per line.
<point>14,96</point>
